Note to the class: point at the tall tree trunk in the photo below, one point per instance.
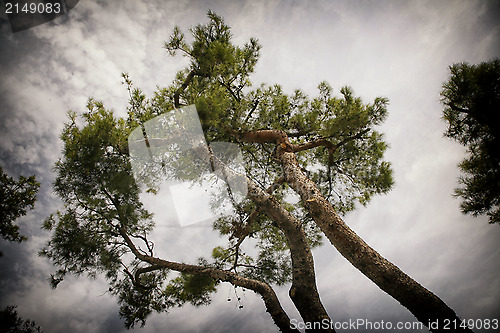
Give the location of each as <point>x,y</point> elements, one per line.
<point>422,303</point>
<point>303,291</point>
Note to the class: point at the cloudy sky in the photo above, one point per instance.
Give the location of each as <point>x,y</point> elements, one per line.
<point>397,49</point>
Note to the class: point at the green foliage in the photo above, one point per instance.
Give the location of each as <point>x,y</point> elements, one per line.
<point>269,260</point>
<point>95,182</point>
<point>102,206</point>
<point>354,170</point>
<point>191,288</point>
<point>138,301</point>
<point>271,266</point>
<point>153,294</point>
<point>95,174</point>
<point>81,244</point>
<point>15,198</point>
<point>471,99</point>
<point>220,88</point>
<point>101,198</point>
<point>10,322</point>
<point>220,69</point>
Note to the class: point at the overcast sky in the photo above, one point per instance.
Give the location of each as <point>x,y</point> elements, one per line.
<point>397,49</point>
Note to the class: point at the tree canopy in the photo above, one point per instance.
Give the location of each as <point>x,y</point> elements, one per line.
<point>323,149</point>
<point>11,322</point>
<point>471,99</point>
<point>15,198</point>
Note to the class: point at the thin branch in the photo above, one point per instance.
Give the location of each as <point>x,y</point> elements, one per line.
<point>353,137</point>
<point>186,52</point>
<point>228,88</point>
<point>254,107</point>
<point>183,87</point>
<point>323,142</point>
<point>271,301</point>
<point>126,271</point>
<point>313,144</point>
<point>146,241</point>
<point>458,109</point>
<point>247,266</point>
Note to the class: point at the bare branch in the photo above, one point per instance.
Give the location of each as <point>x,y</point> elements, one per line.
<point>248,225</point>
<point>323,142</point>
<point>149,244</point>
<point>228,88</point>
<point>183,87</point>
<point>313,144</point>
<point>353,137</point>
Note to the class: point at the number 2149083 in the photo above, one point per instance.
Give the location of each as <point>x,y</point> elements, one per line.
<point>33,8</point>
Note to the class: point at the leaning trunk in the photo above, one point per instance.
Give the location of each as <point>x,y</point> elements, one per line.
<point>422,303</point>
<point>303,291</point>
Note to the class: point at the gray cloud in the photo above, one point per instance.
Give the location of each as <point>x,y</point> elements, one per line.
<point>400,50</point>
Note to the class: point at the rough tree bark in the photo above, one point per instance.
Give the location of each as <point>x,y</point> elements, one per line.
<point>422,303</point>
<point>271,301</point>
<point>303,292</point>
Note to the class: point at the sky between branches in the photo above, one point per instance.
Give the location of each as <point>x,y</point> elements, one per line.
<point>396,49</point>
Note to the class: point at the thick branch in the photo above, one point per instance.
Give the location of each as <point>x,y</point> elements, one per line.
<point>136,278</point>
<point>303,292</point>
<point>261,136</point>
<point>424,305</point>
<point>183,87</point>
<point>313,144</point>
<point>326,143</point>
<point>271,301</point>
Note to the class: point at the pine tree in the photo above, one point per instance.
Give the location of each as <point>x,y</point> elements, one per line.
<point>326,149</point>
<point>471,99</point>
